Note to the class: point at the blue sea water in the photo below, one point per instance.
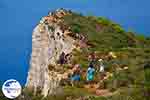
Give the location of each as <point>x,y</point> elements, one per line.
<point>19,17</point>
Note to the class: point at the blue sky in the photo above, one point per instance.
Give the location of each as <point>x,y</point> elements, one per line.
<point>19,17</point>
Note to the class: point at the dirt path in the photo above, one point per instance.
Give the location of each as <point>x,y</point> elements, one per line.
<point>98,92</point>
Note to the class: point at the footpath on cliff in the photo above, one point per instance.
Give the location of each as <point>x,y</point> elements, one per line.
<point>97,86</point>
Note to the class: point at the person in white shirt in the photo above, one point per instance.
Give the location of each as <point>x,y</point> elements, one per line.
<point>101,66</point>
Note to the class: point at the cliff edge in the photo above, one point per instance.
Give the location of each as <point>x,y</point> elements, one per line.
<point>49,41</point>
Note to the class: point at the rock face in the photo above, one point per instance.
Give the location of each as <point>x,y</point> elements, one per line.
<point>48,43</point>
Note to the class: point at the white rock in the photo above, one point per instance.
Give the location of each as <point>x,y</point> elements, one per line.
<point>44,52</point>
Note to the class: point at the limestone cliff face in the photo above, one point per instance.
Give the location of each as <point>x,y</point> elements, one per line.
<point>48,42</point>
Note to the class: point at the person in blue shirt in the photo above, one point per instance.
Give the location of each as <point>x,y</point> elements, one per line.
<point>90,73</point>
<point>76,74</point>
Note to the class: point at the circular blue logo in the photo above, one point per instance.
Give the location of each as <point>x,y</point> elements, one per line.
<point>11,88</point>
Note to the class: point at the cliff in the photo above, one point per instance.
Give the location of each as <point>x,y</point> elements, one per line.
<point>48,43</point>
<point>68,33</point>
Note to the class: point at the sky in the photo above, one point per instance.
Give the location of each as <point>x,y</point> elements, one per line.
<point>19,17</point>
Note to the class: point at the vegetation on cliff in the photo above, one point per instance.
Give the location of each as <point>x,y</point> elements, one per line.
<point>132,51</point>
<point>124,74</point>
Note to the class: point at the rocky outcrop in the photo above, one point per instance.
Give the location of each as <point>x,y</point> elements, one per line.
<point>48,43</point>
